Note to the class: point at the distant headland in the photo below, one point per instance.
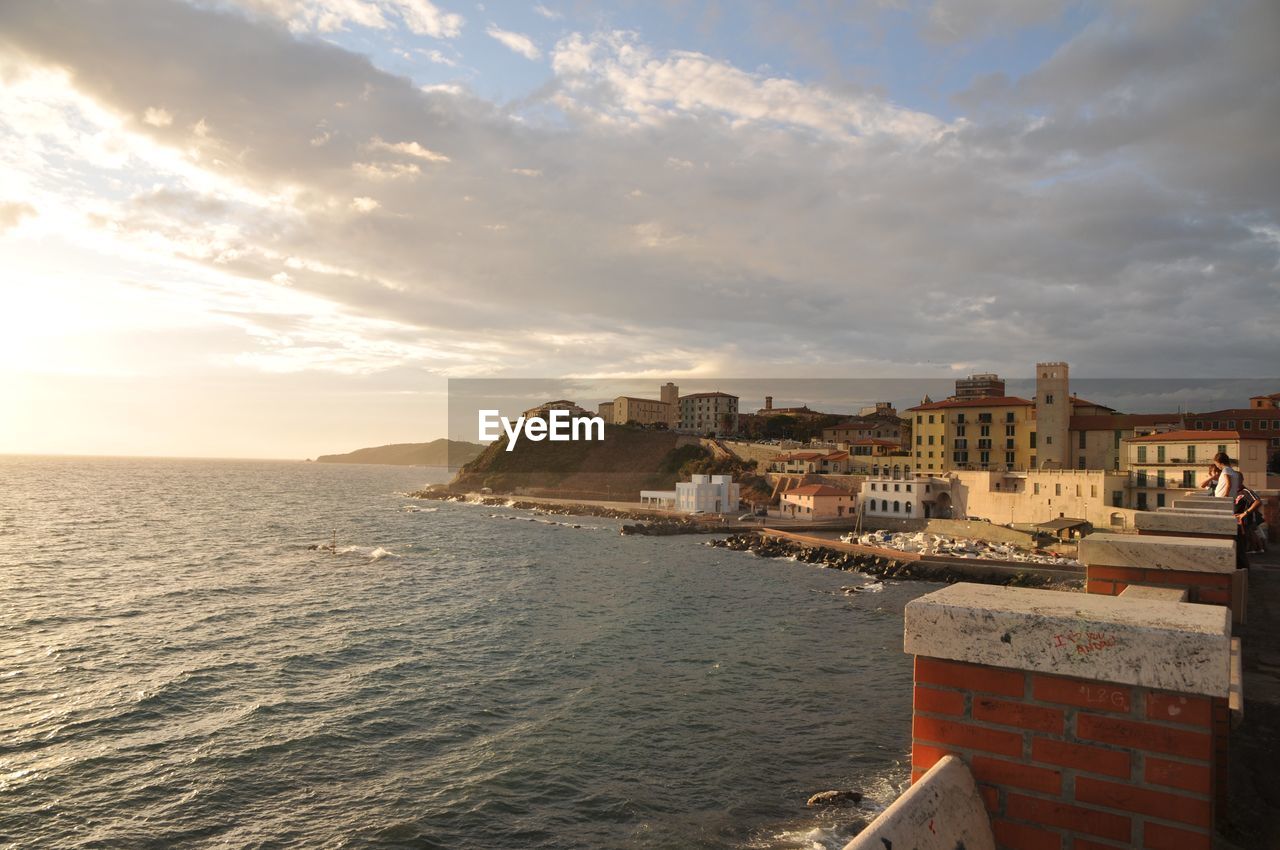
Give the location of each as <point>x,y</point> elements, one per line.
<point>440,452</point>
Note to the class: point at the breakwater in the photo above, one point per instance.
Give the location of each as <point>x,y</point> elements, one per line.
<point>781,545</point>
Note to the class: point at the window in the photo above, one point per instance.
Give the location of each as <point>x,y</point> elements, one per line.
<point>930,418</point>
<point>1140,479</point>
<point>1036,491</point>
<point>959,430</point>
<point>1033,439</point>
<point>1010,458</point>
<point>897,507</point>
<point>1188,478</point>
<point>1117,498</point>
<point>1048,398</point>
<point>1048,439</point>
<point>1057,489</point>
<point>1160,478</point>
<point>1199,425</point>
<point>908,508</point>
<point>1010,431</point>
<point>1159,454</point>
<point>919,440</point>
<point>1231,424</point>
<point>1083,434</point>
<point>919,418</point>
<point>897,487</point>
<point>1008,417</point>
<point>959,418</point>
<point>908,488</point>
<point>1142,501</point>
<point>1093,491</point>
<point>984,431</point>
<point>1080,462</point>
<point>931,439</point>
<point>884,505</point>
<point>1191,454</point>
<point>1248,424</point>
<point>1159,500</point>
<point>1217,424</point>
<point>1142,454</point>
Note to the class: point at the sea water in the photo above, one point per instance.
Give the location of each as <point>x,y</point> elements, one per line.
<point>186,661</point>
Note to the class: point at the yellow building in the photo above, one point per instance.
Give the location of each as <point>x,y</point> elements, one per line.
<point>641,411</point>
<point>1100,497</point>
<point>1163,466</point>
<point>1097,440</point>
<point>976,433</point>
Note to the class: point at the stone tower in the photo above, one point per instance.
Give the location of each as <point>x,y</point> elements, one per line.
<point>669,394</point>
<point>1053,416</point>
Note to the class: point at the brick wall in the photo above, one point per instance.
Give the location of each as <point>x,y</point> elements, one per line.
<point>1075,764</point>
<point>1204,588</point>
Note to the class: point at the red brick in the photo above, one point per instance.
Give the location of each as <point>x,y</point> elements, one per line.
<point>1159,837</point>
<point>990,797</point>
<point>969,677</point>
<point>1209,596</point>
<point>1144,736</point>
<point>924,756</point>
<point>1128,798</point>
<point>1007,713</point>
<point>1012,774</point>
<point>1018,836</point>
<point>1081,757</point>
<point>1181,578</point>
<point>1092,695</point>
<point>938,731</point>
<point>939,702</point>
<point>1101,588</point>
<point>1175,708</point>
<point>1177,774</point>
<point>1066,816</point>
<point>1088,844</point>
<point>1115,573</point>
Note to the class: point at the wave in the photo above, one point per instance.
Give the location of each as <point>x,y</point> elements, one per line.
<point>373,553</point>
<point>414,509</point>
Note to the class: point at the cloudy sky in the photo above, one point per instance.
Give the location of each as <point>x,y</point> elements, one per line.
<point>277,227</point>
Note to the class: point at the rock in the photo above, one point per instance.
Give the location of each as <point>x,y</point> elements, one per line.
<point>834,798</point>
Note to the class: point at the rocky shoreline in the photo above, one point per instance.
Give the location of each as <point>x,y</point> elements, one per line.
<point>576,509</point>
<point>872,565</point>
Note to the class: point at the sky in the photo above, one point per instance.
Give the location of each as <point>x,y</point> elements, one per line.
<point>277,228</point>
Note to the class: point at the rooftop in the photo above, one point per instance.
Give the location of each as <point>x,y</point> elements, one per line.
<point>708,395</point>
<point>817,490</point>
<point>1192,436</point>
<point>1105,422</point>
<point>996,401</point>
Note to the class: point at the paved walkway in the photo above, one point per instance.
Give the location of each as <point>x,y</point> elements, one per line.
<point>1253,816</point>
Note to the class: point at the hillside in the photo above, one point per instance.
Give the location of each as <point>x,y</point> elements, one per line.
<point>441,452</point>
<point>619,467</point>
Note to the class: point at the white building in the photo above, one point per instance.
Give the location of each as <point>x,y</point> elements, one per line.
<point>712,494</point>
<point>905,496</point>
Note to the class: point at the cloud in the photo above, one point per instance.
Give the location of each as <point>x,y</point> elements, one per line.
<point>419,16</point>
<point>157,117</point>
<point>1119,202</point>
<point>412,149</point>
<point>364,204</point>
<point>12,213</point>
<point>549,14</point>
<point>620,78</point>
<point>515,42</point>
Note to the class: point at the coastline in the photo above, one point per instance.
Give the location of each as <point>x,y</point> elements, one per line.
<point>767,542</point>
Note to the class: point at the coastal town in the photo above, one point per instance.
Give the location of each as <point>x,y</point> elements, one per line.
<point>1056,463</point>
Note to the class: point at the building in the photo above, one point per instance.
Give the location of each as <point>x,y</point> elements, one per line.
<point>1054,406</point>
<point>976,433</point>
<point>1260,419</point>
<point>876,426</point>
<point>1163,466</point>
<point>711,494</point>
<point>905,496</point>
<point>628,410</point>
<point>983,385</point>
<point>880,408</point>
<point>817,501</point>
<point>709,413</point>
<point>1265,402</point>
<point>543,410</point>
<point>804,462</point>
<point>1097,440</point>
<point>1029,497</point>
<point>669,394</point>
<point>605,411</point>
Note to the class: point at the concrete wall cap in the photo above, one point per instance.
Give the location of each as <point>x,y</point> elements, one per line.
<point>1169,646</point>
<point>1189,522</point>
<point>941,811</point>
<point>1156,552</point>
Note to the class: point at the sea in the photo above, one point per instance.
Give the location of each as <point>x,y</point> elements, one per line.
<point>187,661</point>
